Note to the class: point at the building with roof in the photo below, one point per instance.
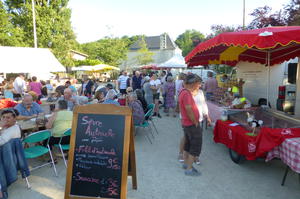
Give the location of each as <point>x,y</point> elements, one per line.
<point>162,47</point>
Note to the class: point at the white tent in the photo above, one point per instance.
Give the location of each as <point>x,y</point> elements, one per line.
<point>177,61</point>
<point>28,60</point>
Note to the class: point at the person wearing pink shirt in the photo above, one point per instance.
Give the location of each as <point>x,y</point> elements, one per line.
<point>35,86</point>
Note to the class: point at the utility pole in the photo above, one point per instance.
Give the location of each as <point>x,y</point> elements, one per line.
<point>244,14</point>
<point>34,25</point>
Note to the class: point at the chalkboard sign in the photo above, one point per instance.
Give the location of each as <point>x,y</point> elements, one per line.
<point>98,162</point>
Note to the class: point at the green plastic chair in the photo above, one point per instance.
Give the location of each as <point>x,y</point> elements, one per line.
<point>63,147</point>
<point>149,115</point>
<point>38,150</point>
<point>146,124</point>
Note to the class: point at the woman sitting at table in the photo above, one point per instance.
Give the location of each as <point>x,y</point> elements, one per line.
<point>137,109</point>
<point>59,122</point>
<point>9,128</point>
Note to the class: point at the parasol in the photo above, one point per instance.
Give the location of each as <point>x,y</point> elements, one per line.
<point>267,46</point>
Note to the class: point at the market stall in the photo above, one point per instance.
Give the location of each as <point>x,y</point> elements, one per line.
<point>266,46</point>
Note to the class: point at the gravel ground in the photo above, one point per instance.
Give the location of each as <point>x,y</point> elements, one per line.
<point>160,175</point>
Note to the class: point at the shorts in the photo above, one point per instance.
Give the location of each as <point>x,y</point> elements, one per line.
<point>193,139</point>
<point>156,96</point>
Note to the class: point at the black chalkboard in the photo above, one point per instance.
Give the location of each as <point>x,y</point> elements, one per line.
<point>98,155</point>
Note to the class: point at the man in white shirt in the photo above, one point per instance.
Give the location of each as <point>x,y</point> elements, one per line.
<point>19,86</point>
<point>9,128</point>
<point>155,85</point>
<point>122,82</point>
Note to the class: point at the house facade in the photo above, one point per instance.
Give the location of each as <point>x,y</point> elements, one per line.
<point>162,47</point>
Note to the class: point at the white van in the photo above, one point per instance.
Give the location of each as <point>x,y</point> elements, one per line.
<point>282,77</point>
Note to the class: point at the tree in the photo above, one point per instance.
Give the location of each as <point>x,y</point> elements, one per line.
<point>188,40</point>
<point>53,25</point>
<point>9,35</point>
<point>108,50</point>
<point>144,55</point>
<point>264,18</point>
<point>292,13</point>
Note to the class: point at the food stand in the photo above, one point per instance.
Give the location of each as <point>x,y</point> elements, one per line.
<point>266,46</point>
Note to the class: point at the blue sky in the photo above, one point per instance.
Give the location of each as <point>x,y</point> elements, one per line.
<point>95,19</point>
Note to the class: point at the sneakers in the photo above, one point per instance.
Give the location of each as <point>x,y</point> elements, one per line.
<point>180,158</point>
<point>192,172</point>
<point>158,115</point>
<point>197,161</point>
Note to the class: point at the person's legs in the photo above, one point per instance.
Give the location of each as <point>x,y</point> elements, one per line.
<point>181,150</point>
<point>192,147</point>
<point>156,102</point>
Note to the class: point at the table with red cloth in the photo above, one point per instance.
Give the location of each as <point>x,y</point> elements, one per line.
<point>288,152</point>
<point>252,147</point>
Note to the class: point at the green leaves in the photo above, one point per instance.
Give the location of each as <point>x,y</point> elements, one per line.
<point>111,51</point>
<point>144,55</point>
<point>188,40</point>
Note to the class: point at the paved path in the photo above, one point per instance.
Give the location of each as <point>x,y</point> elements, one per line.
<point>160,176</point>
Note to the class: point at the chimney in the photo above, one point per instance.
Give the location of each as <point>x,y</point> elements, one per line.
<point>163,41</point>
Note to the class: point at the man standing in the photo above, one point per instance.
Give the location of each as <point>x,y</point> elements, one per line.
<point>190,123</point>
<point>19,86</point>
<point>122,82</point>
<point>86,86</point>
<point>210,86</point>
<point>155,85</point>
<point>136,81</point>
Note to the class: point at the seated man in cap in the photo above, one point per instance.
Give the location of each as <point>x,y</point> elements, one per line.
<point>28,109</point>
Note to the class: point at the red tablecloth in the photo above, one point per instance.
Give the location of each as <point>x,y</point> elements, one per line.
<point>234,137</point>
<point>251,147</point>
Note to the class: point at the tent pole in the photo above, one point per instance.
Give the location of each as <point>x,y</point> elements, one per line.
<point>268,86</point>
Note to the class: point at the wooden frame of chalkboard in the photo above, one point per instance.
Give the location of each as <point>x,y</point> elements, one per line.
<point>99,152</point>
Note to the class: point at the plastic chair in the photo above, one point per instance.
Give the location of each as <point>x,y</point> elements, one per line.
<point>149,114</point>
<point>38,150</point>
<point>145,124</point>
<point>63,147</point>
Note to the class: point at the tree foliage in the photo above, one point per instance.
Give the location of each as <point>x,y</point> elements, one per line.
<point>292,13</point>
<point>108,50</point>
<point>144,55</point>
<point>263,17</point>
<point>9,35</point>
<point>188,40</point>
<point>87,62</point>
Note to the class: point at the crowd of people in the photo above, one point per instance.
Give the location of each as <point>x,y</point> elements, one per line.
<point>185,94</point>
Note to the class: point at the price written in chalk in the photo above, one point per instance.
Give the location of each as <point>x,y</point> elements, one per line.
<point>98,151</point>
